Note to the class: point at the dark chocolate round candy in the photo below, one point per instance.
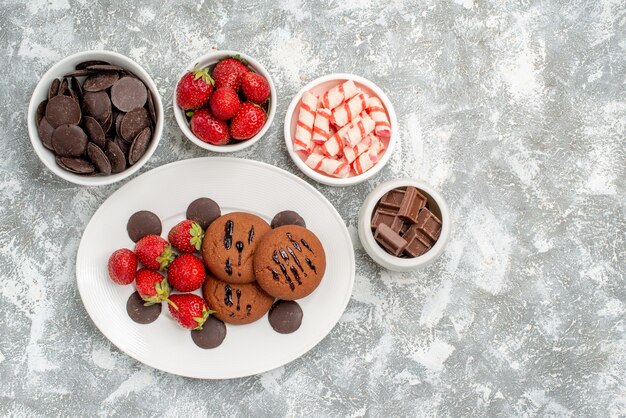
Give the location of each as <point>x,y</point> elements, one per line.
<point>285,316</point>
<point>101,81</point>
<point>76,87</point>
<point>69,140</point>
<point>124,146</point>
<point>287,217</point>
<point>104,67</point>
<point>94,131</point>
<point>41,111</point>
<point>99,159</point>
<point>53,90</point>
<point>211,335</point>
<point>62,110</point>
<point>203,211</point>
<point>45,133</point>
<point>140,145</point>
<point>116,157</point>
<point>98,105</point>
<point>128,93</point>
<point>85,64</point>
<point>118,123</point>
<point>63,87</point>
<point>151,108</point>
<point>133,123</point>
<point>143,223</point>
<point>75,165</point>
<point>107,123</point>
<point>140,313</point>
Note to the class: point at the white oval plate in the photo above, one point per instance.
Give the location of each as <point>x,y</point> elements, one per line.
<point>236,185</point>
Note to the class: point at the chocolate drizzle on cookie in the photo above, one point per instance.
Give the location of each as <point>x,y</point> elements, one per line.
<point>311,265</point>
<point>283,269</point>
<point>228,295</point>
<point>248,309</point>
<point>228,267</point>
<point>294,242</point>
<point>228,235</point>
<point>239,246</point>
<point>275,275</point>
<point>251,235</point>
<point>283,254</point>
<point>294,271</point>
<point>238,293</point>
<point>306,244</point>
<point>295,259</point>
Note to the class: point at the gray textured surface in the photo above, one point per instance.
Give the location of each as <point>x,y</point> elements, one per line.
<point>515,110</point>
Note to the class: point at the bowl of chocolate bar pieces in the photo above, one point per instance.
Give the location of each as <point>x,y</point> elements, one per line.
<point>404,224</point>
<point>95,118</point>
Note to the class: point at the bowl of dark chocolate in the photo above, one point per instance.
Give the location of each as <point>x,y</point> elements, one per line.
<point>95,118</point>
<point>404,224</point>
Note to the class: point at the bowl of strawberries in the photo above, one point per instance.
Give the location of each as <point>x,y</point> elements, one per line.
<point>224,101</point>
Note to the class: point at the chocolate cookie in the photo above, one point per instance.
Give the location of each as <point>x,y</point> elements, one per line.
<point>229,244</point>
<point>203,211</point>
<point>289,262</point>
<point>236,303</point>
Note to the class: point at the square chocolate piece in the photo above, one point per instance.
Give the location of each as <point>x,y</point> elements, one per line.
<point>384,216</point>
<point>428,223</point>
<point>411,204</point>
<point>391,241</point>
<point>392,199</point>
<point>417,242</point>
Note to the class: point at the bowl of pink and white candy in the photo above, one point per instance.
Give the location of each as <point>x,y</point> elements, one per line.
<point>340,129</point>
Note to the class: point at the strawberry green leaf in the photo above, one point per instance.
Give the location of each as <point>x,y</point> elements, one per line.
<point>197,234</point>
<point>166,257</point>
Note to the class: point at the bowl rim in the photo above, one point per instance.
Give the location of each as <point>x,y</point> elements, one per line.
<point>349,181</point>
<point>377,253</point>
<point>209,59</point>
<point>53,72</point>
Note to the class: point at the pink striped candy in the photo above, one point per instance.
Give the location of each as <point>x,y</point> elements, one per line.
<point>377,112</point>
<point>339,94</point>
<point>304,130</point>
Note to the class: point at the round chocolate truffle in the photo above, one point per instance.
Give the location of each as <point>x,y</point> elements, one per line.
<point>143,223</point>
<point>203,211</point>
<point>285,316</point>
<point>140,313</point>
<point>287,217</point>
<point>211,335</point>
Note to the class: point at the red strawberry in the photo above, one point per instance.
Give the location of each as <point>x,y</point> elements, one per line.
<point>189,310</point>
<point>255,87</point>
<point>209,129</point>
<point>248,121</point>
<point>186,273</point>
<point>152,286</point>
<point>122,266</point>
<point>224,103</point>
<point>186,236</point>
<point>194,89</point>
<point>228,73</point>
<point>154,252</point>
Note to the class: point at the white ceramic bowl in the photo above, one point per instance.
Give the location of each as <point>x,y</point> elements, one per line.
<point>319,86</point>
<point>437,205</point>
<point>211,59</point>
<point>65,66</point>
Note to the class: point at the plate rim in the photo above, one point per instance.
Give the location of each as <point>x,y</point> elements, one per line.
<point>289,359</point>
